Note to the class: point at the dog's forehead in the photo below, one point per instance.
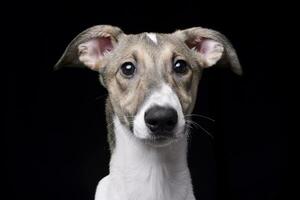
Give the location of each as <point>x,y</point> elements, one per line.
<point>150,40</point>
<point>155,45</point>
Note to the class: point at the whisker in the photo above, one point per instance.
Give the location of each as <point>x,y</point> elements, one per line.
<point>206,131</point>
<point>189,126</point>
<point>202,116</point>
<point>194,123</point>
<point>191,123</point>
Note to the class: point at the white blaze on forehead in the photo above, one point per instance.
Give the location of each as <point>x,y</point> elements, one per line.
<point>152,37</point>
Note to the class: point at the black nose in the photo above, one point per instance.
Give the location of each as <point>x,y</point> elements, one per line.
<point>161,119</point>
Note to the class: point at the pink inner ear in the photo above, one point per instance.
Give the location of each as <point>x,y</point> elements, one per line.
<point>205,46</point>
<point>104,44</point>
<point>210,50</point>
<point>201,44</point>
<point>92,51</point>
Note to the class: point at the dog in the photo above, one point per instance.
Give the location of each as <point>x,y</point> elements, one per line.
<point>152,81</point>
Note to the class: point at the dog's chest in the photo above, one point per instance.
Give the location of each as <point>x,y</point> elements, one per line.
<point>146,187</point>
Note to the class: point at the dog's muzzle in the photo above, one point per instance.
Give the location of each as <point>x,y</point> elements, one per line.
<point>160,120</point>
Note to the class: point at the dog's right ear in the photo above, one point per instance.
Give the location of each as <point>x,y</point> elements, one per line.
<point>90,47</point>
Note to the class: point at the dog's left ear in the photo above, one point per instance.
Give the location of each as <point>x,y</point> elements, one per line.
<point>210,46</point>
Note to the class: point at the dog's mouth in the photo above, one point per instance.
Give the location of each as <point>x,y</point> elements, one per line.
<point>164,138</point>
<point>159,140</point>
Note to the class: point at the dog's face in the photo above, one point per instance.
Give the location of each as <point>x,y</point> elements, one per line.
<point>151,79</point>
<point>154,75</point>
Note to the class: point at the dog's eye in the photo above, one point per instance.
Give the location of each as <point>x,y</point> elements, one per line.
<point>180,67</point>
<point>128,69</point>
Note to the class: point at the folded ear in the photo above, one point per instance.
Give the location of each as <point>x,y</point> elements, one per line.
<point>89,48</point>
<point>211,47</point>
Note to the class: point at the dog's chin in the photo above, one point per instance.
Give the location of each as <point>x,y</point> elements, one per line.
<point>160,140</point>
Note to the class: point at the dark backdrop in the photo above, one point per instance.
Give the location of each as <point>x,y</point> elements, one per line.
<point>56,133</point>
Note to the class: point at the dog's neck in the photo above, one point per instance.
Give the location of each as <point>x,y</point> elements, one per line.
<point>142,171</point>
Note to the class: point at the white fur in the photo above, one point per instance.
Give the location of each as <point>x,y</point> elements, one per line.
<point>143,172</point>
<point>152,37</point>
<point>163,96</point>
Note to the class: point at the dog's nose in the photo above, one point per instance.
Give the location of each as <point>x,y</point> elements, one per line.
<point>161,119</point>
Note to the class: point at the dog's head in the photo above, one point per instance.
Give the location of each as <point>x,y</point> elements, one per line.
<point>151,78</point>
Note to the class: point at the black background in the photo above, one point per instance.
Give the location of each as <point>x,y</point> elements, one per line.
<point>56,133</point>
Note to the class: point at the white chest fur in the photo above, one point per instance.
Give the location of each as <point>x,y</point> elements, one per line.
<point>141,172</point>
